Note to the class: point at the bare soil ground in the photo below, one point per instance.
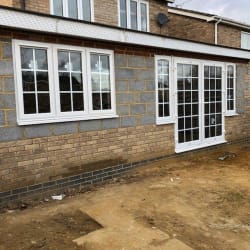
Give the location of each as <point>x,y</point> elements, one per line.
<point>196,198</point>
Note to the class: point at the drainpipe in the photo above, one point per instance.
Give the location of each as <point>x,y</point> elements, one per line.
<point>216,31</point>
<point>23,5</point>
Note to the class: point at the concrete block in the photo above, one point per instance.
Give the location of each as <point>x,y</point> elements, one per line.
<point>151,108</point>
<point>136,61</point>
<point>136,86</point>
<point>148,119</point>
<point>148,97</point>
<point>150,86</point>
<point>2,118</point>
<point>122,109</point>
<point>10,134</point>
<point>111,123</point>
<point>9,84</point>
<point>128,121</point>
<point>90,125</point>
<point>138,109</point>
<point>11,117</point>
<point>150,62</point>
<point>121,60</point>
<point>7,101</point>
<point>7,50</point>
<point>148,75</point>
<point>6,68</point>
<point>66,128</point>
<point>124,98</point>
<point>125,74</point>
<point>121,86</point>
<point>34,131</point>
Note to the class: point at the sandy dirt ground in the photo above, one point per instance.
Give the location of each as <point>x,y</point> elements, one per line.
<point>196,198</point>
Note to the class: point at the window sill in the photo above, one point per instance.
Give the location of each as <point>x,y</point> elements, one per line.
<point>231,114</point>
<point>166,122</point>
<point>23,122</point>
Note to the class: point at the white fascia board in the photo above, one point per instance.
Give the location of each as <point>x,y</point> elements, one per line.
<point>33,22</point>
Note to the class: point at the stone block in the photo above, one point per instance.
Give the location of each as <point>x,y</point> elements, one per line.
<point>7,101</point>
<point>6,68</point>
<point>66,128</point>
<point>136,61</point>
<point>34,131</point>
<point>148,97</point>
<point>150,86</point>
<point>111,123</point>
<point>121,60</point>
<point>11,117</point>
<point>121,86</point>
<point>151,108</point>
<point>125,74</point>
<point>7,50</point>
<point>137,109</point>
<point>122,109</point>
<point>124,98</point>
<point>128,121</point>
<point>148,119</point>
<point>10,134</point>
<point>90,125</point>
<point>147,75</point>
<point>150,62</point>
<point>136,86</point>
<point>9,84</point>
<point>2,118</point>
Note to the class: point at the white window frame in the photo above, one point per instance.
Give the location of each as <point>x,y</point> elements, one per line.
<point>231,112</point>
<point>138,14</point>
<point>79,7</point>
<point>245,44</point>
<point>56,115</point>
<point>168,119</point>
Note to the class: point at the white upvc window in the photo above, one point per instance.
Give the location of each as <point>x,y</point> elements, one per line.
<point>164,90</point>
<point>134,14</point>
<point>245,40</point>
<point>76,9</point>
<point>231,89</point>
<point>57,83</point>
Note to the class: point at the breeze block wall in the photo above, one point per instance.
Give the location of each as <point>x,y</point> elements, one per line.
<point>40,153</point>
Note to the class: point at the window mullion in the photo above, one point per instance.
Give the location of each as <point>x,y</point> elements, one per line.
<point>35,78</point>
<point>65,8</point>
<point>128,14</point>
<point>139,15</point>
<point>80,9</point>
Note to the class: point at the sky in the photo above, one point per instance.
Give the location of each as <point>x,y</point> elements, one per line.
<point>238,10</point>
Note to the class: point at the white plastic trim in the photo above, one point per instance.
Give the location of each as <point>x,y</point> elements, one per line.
<point>27,21</point>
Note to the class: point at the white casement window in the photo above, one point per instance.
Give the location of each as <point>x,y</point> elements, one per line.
<point>134,14</point>
<point>63,83</point>
<point>164,90</point>
<point>76,9</point>
<point>245,40</point>
<point>231,89</point>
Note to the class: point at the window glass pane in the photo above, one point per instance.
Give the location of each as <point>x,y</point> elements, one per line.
<point>123,13</point>
<point>27,58</point>
<point>28,81</point>
<point>43,103</point>
<point>105,83</point>
<point>96,97</point>
<point>86,10</point>
<point>95,81</point>
<point>76,82</point>
<point>133,15</point>
<point>29,101</point>
<point>94,63</point>
<point>65,99</point>
<point>104,61</point>
<point>41,59</point>
<point>76,61</point>
<point>72,8</point>
<point>42,81</point>
<point>106,101</point>
<point>64,81</point>
<point>58,7</point>
<point>144,18</point>
<point>63,60</point>
<point>78,102</point>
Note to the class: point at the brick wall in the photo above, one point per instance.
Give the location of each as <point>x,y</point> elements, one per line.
<point>6,3</point>
<point>34,5</point>
<point>202,31</point>
<point>40,153</point>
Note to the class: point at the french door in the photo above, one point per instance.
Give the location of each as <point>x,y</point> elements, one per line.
<point>199,104</point>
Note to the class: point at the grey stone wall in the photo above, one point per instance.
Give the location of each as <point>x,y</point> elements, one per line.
<point>135,99</point>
